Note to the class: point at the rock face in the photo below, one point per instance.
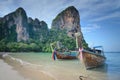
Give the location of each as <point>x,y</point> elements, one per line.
<point>38,29</point>
<point>21,25</point>
<point>69,20</point>
<point>16,26</point>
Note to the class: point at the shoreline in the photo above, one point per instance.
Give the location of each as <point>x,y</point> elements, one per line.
<point>34,71</point>
<point>7,72</point>
<point>25,69</point>
<point>1,54</point>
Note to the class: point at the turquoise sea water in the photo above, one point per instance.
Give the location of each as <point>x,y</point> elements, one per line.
<point>63,69</point>
<point>113,65</point>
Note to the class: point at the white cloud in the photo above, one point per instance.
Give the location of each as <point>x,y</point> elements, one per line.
<point>48,9</point>
<point>8,6</point>
<point>90,28</point>
<point>44,10</point>
<point>98,9</point>
<point>113,15</point>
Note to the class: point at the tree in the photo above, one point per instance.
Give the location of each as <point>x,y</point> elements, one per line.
<point>34,47</point>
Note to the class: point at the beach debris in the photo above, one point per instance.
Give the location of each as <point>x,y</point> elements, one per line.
<point>83,78</point>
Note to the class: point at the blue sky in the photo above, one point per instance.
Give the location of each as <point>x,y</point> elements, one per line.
<point>99,19</point>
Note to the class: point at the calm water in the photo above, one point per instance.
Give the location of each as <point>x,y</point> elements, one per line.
<point>113,69</point>
<point>72,69</point>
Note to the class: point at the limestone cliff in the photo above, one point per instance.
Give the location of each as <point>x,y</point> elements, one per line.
<point>38,29</point>
<point>14,25</point>
<point>69,19</point>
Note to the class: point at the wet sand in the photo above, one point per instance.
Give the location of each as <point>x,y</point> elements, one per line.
<point>11,69</point>
<point>7,72</point>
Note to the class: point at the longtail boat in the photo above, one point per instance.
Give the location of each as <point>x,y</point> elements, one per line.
<point>69,55</point>
<point>92,59</point>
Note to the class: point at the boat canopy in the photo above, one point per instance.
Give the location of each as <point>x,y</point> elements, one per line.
<point>97,46</point>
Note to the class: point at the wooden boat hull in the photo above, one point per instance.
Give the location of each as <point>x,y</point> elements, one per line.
<point>64,56</point>
<point>91,60</point>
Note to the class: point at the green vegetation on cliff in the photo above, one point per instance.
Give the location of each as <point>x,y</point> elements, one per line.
<point>38,45</point>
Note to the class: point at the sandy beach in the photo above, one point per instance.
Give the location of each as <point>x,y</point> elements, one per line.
<point>41,67</point>
<point>7,72</point>
<point>14,70</point>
